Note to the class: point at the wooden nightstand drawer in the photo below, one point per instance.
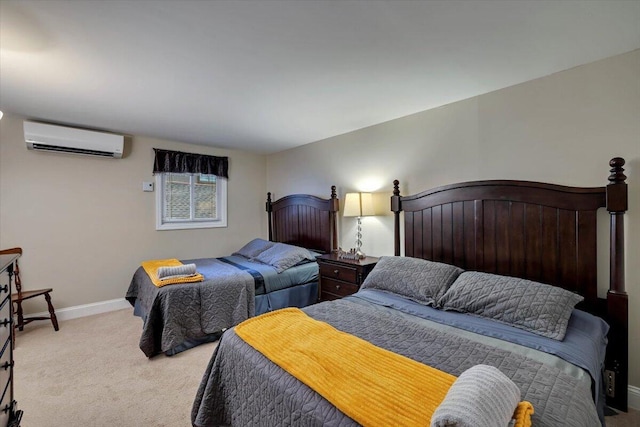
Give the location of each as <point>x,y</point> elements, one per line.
<point>342,277</point>
<point>9,415</point>
<point>5,319</point>
<point>341,272</point>
<point>5,364</point>
<point>337,287</point>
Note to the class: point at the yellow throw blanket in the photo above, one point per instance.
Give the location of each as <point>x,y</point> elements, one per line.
<point>371,385</point>
<point>151,267</point>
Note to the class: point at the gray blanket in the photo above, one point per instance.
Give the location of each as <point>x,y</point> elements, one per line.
<point>243,388</point>
<point>176,313</point>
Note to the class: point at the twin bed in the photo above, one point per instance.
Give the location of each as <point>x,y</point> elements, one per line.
<point>496,239</point>
<point>237,287</point>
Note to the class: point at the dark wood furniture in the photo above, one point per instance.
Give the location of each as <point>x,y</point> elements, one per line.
<point>304,220</point>
<point>542,232</point>
<point>342,277</point>
<point>9,413</point>
<point>20,296</point>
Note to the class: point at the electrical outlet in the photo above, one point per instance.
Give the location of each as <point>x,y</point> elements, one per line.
<point>610,383</point>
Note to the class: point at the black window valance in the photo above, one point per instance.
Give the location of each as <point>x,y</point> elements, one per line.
<point>179,162</point>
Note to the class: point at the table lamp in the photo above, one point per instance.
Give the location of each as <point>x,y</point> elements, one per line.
<point>358,205</point>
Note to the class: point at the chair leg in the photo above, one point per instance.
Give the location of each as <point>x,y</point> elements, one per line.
<point>20,315</point>
<point>52,312</point>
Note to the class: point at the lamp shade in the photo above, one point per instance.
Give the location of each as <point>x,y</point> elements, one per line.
<point>358,204</point>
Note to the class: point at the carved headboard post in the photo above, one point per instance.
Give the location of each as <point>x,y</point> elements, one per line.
<point>617,300</point>
<point>333,213</point>
<point>269,208</point>
<point>396,208</point>
<point>617,205</point>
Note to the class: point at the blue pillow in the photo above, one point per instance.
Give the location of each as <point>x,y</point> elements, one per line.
<point>254,248</point>
<point>282,256</point>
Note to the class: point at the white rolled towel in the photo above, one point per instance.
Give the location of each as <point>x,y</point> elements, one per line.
<point>482,396</point>
<point>184,270</point>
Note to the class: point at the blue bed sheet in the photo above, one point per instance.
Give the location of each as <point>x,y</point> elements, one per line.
<point>271,280</point>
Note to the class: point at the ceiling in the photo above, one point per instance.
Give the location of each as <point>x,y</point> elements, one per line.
<point>266,76</point>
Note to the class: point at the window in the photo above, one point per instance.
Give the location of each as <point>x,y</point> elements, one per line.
<point>190,201</point>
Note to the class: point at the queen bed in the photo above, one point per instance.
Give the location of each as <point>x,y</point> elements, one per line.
<point>258,278</point>
<point>491,273</point>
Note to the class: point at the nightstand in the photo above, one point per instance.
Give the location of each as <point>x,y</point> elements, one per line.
<point>342,277</point>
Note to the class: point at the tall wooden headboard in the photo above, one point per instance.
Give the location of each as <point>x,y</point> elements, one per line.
<point>537,231</point>
<point>304,220</point>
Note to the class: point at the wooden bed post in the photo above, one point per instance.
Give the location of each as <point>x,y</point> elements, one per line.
<point>396,208</point>
<point>617,300</point>
<point>335,207</point>
<point>269,211</point>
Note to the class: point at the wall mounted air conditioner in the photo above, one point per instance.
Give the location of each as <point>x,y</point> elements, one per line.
<point>61,139</point>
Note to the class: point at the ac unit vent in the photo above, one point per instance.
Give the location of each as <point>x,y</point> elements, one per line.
<point>56,148</point>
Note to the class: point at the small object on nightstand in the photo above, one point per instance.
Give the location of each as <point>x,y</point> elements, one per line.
<point>340,277</point>
<point>353,254</point>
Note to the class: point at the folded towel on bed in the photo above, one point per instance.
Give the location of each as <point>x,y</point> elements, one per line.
<point>482,396</point>
<point>183,270</point>
<point>152,267</point>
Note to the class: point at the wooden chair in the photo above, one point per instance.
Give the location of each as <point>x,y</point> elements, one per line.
<point>20,296</point>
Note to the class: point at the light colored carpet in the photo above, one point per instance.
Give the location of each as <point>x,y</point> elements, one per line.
<point>91,373</point>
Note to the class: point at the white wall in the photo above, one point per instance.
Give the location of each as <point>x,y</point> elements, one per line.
<point>562,128</point>
<point>85,224</point>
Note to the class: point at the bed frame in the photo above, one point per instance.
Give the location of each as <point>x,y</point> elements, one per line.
<point>304,220</point>
<point>537,231</point>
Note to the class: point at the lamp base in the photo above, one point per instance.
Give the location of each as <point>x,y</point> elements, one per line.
<point>358,252</point>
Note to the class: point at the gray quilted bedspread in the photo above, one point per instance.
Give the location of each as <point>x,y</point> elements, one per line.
<point>243,388</point>
<point>176,313</point>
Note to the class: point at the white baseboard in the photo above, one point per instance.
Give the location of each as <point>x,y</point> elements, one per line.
<point>88,309</point>
<point>634,397</point>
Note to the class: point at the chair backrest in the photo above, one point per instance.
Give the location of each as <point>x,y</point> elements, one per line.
<point>11,251</point>
<point>16,270</point>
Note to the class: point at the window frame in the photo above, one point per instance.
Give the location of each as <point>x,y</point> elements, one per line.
<point>221,206</point>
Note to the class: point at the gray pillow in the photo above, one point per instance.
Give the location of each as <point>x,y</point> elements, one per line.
<point>532,306</point>
<point>254,248</point>
<point>282,256</point>
<point>414,278</point>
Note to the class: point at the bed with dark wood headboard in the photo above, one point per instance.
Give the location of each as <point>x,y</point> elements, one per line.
<point>179,316</point>
<point>304,220</point>
<point>480,303</point>
<point>536,231</point>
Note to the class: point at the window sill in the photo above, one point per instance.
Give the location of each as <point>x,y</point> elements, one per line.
<point>190,225</point>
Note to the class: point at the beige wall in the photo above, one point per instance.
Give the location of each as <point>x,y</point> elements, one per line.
<point>563,128</point>
<point>85,223</point>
